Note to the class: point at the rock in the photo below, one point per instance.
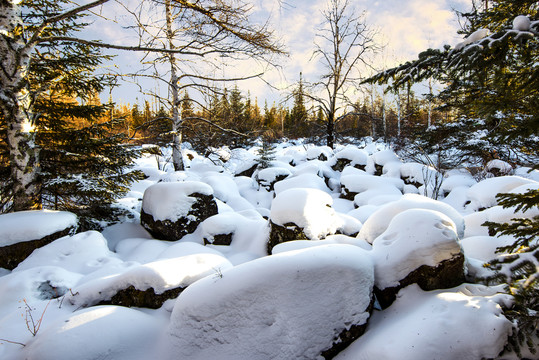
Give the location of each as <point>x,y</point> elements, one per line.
<point>23,232</point>
<point>264,309</point>
<point>448,274</point>
<point>283,233</point>
<point>267,178</point>
<point>349,156</point>
<point>173,210</point>
<point>302,214</point>
<point>421,247</point>
<point>148,285</point>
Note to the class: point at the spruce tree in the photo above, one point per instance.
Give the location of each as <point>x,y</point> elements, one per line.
<point>83,165</point>
<point>492,87</point>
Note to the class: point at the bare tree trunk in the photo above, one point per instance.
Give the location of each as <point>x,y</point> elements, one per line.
<point>177,160</point>
<point>399,113</point>
<point>17,110</point>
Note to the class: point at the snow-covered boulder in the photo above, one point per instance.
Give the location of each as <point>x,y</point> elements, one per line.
<point>380,159</point>
<point>268,177</point>
<point>498,167</point>
<point>464,323</point>
<point>310,181</point>
<point>483,194</point>
<point>352,185</point>
<point>148,285</point>
<point>349,156</point>
<point>419,246</point>
<point>23,232</point>
<point>302,214</point>
<point>302,304</point>
<point>378,222</point>
<point>173,210</point>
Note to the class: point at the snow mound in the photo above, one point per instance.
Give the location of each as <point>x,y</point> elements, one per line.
<point>82,253</point>
<point>379,221</point>
<point>33,225</point>
<point>483,194</point>
<point>264,309</point>
<point>161,275</point>
<point>116,333</point>
<point>171,201</point>
<point>310,181</point>
<point>413,238</point>
<point>310,209</point>
<point>430,325</point>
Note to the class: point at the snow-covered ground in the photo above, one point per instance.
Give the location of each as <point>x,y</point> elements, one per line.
<point>239,303</point>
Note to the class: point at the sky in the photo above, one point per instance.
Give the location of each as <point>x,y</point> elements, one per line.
<point>403,28</point>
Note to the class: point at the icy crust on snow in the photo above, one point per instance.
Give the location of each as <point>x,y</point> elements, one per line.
<point>160,275</point>
<point>379,221</point>
<point>285,306</point>
<point>310,209</point>
<point>171,200</point>
<point>33,225</point>
<point>413,238</point>
<point>464,323</point>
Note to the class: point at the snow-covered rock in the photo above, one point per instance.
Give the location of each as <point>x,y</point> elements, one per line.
<point>378,222</point>
<point>483,194</point>
<point>419,246</point>
<point>310,181</point>
<point>148,285</point>
<point>295,305</point>
<point>462,323</point>
<point>24,231</point>
<point>172,210</point>
<point>302,214</point>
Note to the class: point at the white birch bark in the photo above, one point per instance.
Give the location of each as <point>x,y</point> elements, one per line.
<point>16,107</point>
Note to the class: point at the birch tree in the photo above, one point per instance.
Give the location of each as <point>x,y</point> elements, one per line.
<point>19,46</point>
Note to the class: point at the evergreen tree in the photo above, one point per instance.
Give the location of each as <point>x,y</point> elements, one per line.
<point>82,168</point>
<point>493,88</point>
<point>297,124</point>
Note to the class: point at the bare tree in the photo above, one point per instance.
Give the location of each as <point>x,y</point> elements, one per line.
<point>344,42</point>
<point>219,22</point>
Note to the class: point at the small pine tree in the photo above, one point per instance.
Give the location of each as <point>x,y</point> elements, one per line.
<point>266,154</point>
<point>519,268</point>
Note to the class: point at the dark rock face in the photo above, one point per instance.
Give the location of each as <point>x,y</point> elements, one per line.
<point>449,273</point>
<point>219,239</point>
<point>204,207</point>
<point>12,255</point>
<point>132,297</point>
<point>269,186</point>
<point>280,234</point>
<point>347,337</point>
<point>249,172</point>
<point>347,194</point>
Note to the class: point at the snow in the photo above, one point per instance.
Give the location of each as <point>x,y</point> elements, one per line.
<point>462,323</point>
<point>239,302</point>
<point>161,275</point>
<point>475,36</point>
<point>310,209</point>
<point>521,23</point>
<point>301,181</point>
<point>264,309</point>
<point>171,200</point>
<point>117,333</point>
<point>413,238</point>
<point>33,225</point>
<point>378,222</point>
<point>483,194</point>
